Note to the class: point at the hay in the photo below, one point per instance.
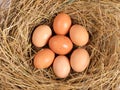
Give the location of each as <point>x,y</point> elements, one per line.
<point>18,18</point>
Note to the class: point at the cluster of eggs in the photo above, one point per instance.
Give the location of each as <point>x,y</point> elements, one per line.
<point>60,45</point>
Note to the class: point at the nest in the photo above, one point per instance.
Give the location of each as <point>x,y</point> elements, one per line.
<point>18,18</point>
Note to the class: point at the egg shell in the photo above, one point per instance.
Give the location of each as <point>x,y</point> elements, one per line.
<point>44,58</point>
<point>79,60</point>
<point>62,23</point>
<point>61,66</point>
<point>41,35</point>
<point>60,44</point>
<point>79,35</point>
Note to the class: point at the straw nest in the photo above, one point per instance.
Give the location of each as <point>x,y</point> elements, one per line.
<point>18,18</point>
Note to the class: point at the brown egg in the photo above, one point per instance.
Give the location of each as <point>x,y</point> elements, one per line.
<point>44,58</point>
<point>60,44</point>
<point>61,24</point>
<point>61,66</point>
<point>79,35</point>
<point>41,35</point>
<point>79,60</point>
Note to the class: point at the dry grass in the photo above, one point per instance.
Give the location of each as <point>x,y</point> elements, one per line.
<point>18,20</point>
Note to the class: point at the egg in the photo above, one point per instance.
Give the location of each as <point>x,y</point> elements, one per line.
<point>44,58</point>
<point>79,35</point>
<point>41,35</point>
<point>61,66</point>
<point>79,60</point>
<point>61,24</point>
<point>60,44</point>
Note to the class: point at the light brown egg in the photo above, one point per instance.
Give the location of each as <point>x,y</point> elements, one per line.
<point>44,58</point>
<point>79,60</point>
<point>60,44</point>
<point>79,35</point>
<point>61,24</point>
<point>61,66</point>
<point>41,35</point>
